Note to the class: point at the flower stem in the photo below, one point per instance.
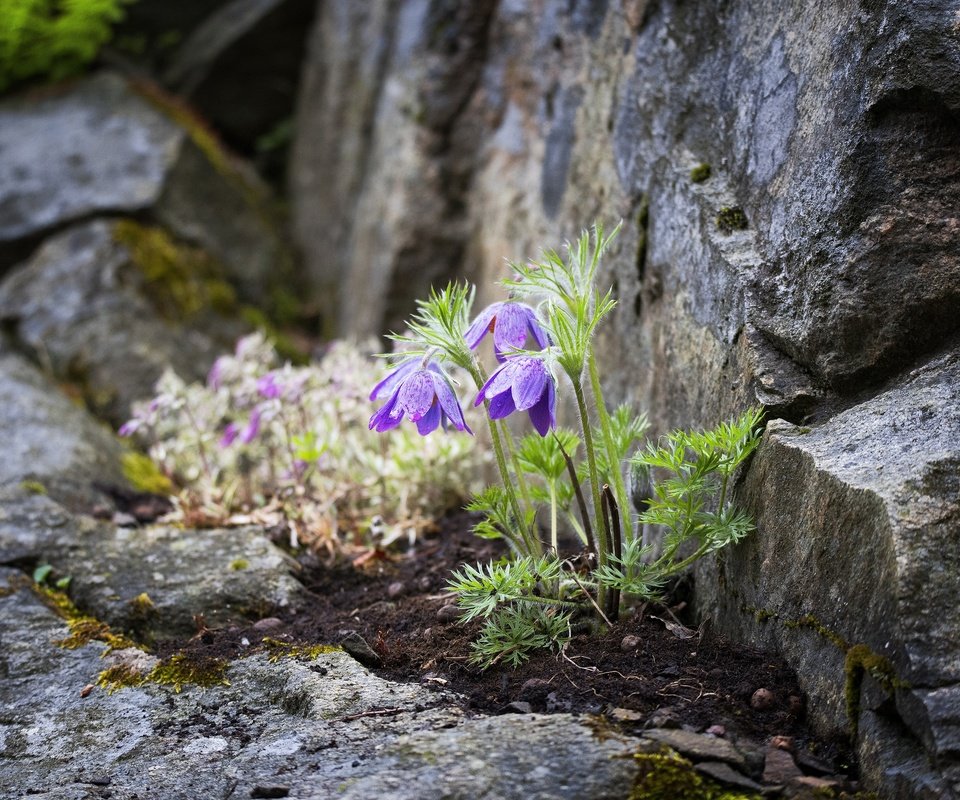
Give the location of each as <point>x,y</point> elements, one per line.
<point>553,517</point>
<point>613,457</point>
<point>603,545</point>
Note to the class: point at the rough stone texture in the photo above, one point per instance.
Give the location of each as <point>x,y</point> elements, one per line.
<point>98,146</point>
<point>88,313</point>
<point>241,66</point>
<point>857,527</point>
<point>226,575</point>
<point>386,125</point>
<point>831,126</point>
<point>312,727</point>
<point>49,442</point>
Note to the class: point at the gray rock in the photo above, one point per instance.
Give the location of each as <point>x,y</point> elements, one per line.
<point>324,728</point>
<point>50,444</point>
<point>89,312</point>
<point>697,746</point>
<point>184,573</point>
<point>725,774</point>
<point>100,146</point>
<point>858,521</point>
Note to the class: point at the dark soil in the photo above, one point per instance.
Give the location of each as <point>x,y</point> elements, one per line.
<point>394,602</point>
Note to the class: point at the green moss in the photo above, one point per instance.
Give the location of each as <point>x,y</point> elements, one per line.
<point>700,173</point>
<point>277,649</point>
<point>181,280</point>
<point>186,669</point>
<point>83,628</point>
<point>144,475</point>
<point>239,564</point>
<point>731,218</point>
<point>180,670</point>
<point>810,622</point>
<point>33,487</point>
<point>664,776</point>
<point>860,661</point>
<point>142,605</point>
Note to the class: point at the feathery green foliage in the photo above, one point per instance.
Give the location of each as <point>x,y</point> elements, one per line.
<point>53,38</point>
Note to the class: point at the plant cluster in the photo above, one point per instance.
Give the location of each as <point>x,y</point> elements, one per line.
<point>53,38</point>
<point>291,442</point>
<point>572,478</point>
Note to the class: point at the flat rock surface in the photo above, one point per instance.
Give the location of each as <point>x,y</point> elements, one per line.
<point>319,728</point>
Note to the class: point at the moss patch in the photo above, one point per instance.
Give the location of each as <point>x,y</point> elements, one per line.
<point>177,671</point>
<point>860,661</point>
<point>731,218</point>
<point>144,475</point>
<point>181,280</point>
<point>668,775</point>
<point>239,564</point>
<point>700,173</point>
<point>33,487</point>
<point>277,649</point>
<point>83,628</point>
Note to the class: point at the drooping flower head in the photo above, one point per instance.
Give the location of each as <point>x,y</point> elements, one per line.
<point>423,394</point>
<point>510,323</point>
<point>522,383</point>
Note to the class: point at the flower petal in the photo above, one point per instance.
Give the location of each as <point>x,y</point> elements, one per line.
<point>449,403</point>
<point>428,422</point>
<point>536,331</point>
<point>529,383</point>
<point>416,394</point>
<point>500,381</point>
<point>481,325</point>
<point>510,331</point>
<point>394,379</point>
<point>502,406</point>
<point>542,414</point>
<point>383,415</point>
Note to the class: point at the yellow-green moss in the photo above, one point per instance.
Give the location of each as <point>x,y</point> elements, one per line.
<point>184,669</point>
<point>731,218</point>
<point>665,776</point>
<point>277,649</point>
<point>144,475</point>
<point>239,564</point>
<point>83,628</point>
<point>142,605</point>
<point>859,661</point>
<point>810,622</point>
<point>180,670</point>
<point>700,173</point>
<point>33,487</point>
<point>181,280</point>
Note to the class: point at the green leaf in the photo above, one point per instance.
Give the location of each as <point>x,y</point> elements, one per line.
<point>41,573</point>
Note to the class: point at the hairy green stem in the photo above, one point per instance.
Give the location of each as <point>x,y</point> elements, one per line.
<point>603,544</point>
<point>613,457</point>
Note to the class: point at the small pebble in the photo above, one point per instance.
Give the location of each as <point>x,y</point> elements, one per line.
<point>626,715</point>
<point>395,589</point>
<point>762,700</point>
<point>85,691</point>
<point>124,520</point>
<point>424,584</point>
<point>355,645</point>
<point>448,613</point>
<point>783,743</point>
<point>716,730</point>
<point>267,624</point>
<point>244,642</point>
<point>517,707</point>
<point>629,642</point>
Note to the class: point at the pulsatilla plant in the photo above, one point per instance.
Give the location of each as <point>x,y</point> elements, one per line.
<point>543,342</point>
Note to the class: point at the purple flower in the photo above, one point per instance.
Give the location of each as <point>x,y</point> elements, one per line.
<point>230,433</point>
<point>422,393</point>
<point>253,427</point>
<point>510,323</point>
<point>522,383</point>
<point>268,386</point>
<point>215,375</point>
<point>129,428</point>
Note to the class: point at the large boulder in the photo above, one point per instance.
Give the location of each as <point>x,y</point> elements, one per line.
<point>856,565</point>
<point>109,305</point>
<point>102,145</point>
<point>51,445</point>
